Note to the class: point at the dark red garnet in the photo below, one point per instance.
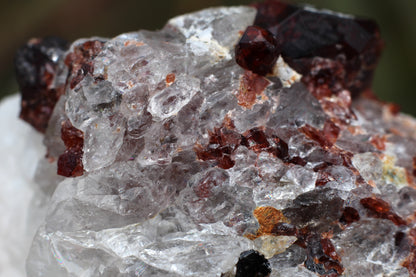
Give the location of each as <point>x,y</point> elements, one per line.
<point>80,61</point>
<point>36,65</point>
<point>70,162</point>
<point>379,208</point>
<point>351,45</point>
<point>257,50</point>
<point>271,13</point>
<point>349,215</point>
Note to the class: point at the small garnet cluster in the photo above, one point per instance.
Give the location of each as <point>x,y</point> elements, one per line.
<point>341,52</point>
<point>38,63</point>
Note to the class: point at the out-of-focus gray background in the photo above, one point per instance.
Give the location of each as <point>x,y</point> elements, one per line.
<point>71,19</point>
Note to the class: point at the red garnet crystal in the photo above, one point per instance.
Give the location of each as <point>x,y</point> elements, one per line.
<point>70,162</point>
<point>79,61</point>
<point>257,50</point>
<point>306,35</point>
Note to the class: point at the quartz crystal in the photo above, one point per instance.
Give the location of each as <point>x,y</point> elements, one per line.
<point>235,141</point>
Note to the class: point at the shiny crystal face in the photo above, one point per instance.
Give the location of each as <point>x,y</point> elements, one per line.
<point>180,162</point>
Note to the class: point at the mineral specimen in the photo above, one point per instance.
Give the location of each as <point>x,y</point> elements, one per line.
<point>240,141</point>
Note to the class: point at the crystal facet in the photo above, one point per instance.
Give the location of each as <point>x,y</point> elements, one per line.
<point>257,50</point>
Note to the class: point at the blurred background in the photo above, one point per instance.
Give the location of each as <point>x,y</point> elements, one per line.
<point>21,20</point>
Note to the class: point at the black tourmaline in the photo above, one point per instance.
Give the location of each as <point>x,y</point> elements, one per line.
<point>252,264</point>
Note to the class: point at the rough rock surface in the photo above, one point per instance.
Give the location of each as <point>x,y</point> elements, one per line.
<point>180,162</point>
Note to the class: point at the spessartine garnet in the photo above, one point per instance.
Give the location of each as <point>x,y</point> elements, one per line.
<point>304,35</point>
<point>257,50</point>
<point>70,162</point>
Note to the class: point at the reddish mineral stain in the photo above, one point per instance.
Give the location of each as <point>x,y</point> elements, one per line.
<point>338,108</point>
<point>256,139</point>
<point>323,178</point>
<point>329,249</point>
<point>170,78</point>
<point>70,164</point>
<point>251,85</point>
<point>80,61</point>
<point>381,209</point>
<point>376,205</point>
<point>321,256</point>
<point>410,263</point>
<point>134,42</point>
<point>379,142</point>
<point>325,137</point>
<point>280,149</point>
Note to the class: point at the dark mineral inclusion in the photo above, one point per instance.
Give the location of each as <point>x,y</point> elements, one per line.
<point>252,264</point>
<point>332,53</point>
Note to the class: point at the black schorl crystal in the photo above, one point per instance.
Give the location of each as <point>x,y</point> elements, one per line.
<point>252,264</point>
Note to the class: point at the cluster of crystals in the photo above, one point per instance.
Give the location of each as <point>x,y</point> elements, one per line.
<point>187,164</point>
<point>333,52</point>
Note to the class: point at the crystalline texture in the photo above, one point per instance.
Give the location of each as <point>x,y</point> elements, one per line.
<point>239,141</point>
